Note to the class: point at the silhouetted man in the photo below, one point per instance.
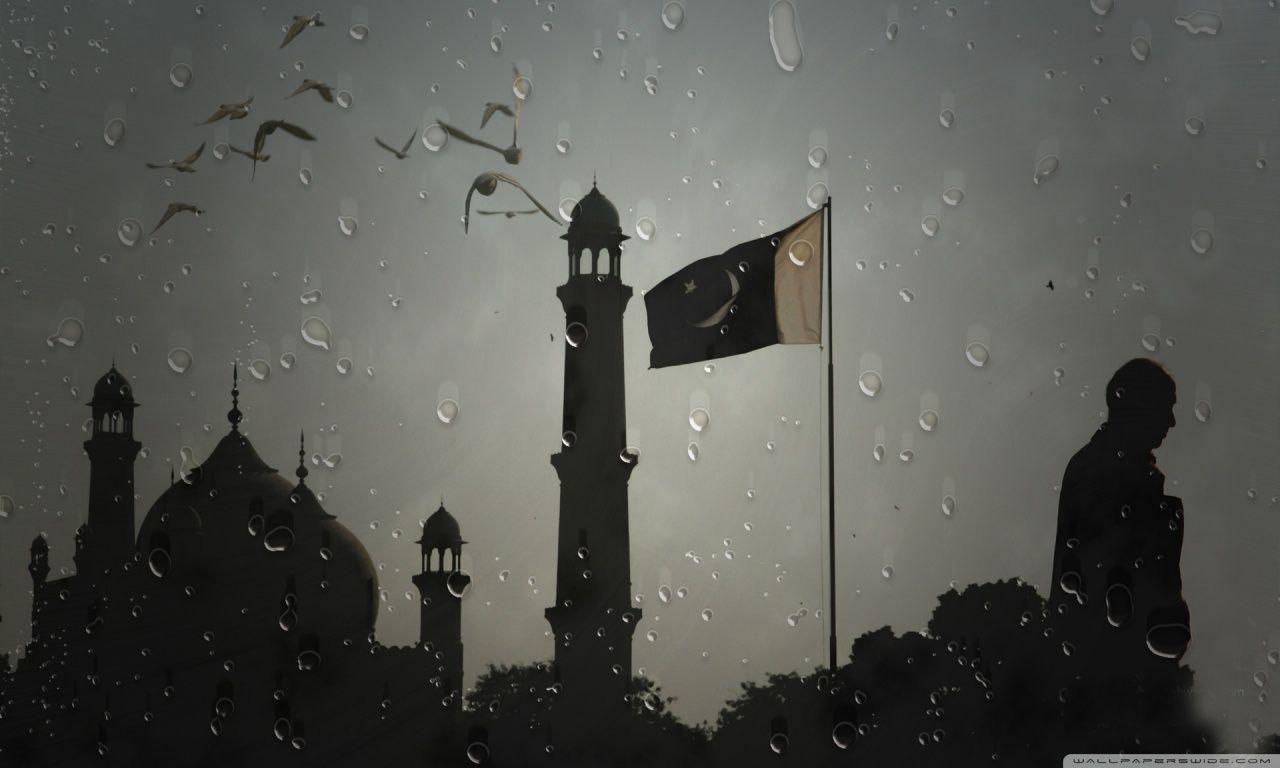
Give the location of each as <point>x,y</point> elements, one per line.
<point>1117,584</point>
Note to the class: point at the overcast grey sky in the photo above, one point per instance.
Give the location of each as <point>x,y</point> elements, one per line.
<point>1157,143</point>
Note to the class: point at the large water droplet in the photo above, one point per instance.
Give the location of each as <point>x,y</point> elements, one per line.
<point>69,333</point>
<point>563,146</point>
<point>977,354</point>
<point>891,31</point>
<point>1194,125</point>
<point>260,369</point>
<point>113,131</point>
<point>315,332</point>
<point>817,195</point>
<point>930,225</point>
<point>699,419</point>
<point>1140,47</point>
<point>947,118</point>
<point>180,75</point>
<point>348,225</point>
<point>447,410</point>
<point>784,35</point>
<point>1203,411</point>
<point>1200,22</point>
<point>1202,241</point>
<point>343,99</point>
<point>522,87</point>
<point>646,228</point>
<point>159,562</point>
<point>870,383</point>
<point>818,156</point>
<point>1150,342</point>
<point>180,359</point>
<point>673,15</point>
<point>359,32</point>
<point>434,137</point>
<point>1045,167</point>
<point>928,420</point>
<point>948,505</point>
<point>304,176</point>
<point>459,583</point>
<point>1102,7</point>
<point>129,232</point>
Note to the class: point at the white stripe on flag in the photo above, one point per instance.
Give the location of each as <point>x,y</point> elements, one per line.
<point>797,282</point>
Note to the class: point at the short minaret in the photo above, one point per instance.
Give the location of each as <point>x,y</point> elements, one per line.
<point>111,451</point>
<point>441,585</point>
<point>38,567</point>
<point>593,619</point>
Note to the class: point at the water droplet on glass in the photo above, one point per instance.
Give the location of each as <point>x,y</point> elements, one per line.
<point>348,225</point>
<point>1200,22</point>
<point>1102,7</point>
<point>817,195</point>
<point>522,87</point>
<point>304,176</point>
<point>576,334</point>
<point>887,572</point>
<point>1045,167</point>
<point>1202,241</point>
<point>434,137</point>
<point>891,31</point>
<point>928,420</point>
<point>447,410</point>
<point>1150,342</point>
<point>930,225</point>
<point>315,332</point>
<point>495,43</point>
<point>818,156</point>
<point>784,35</point>
<point>1194,126</point>
<point>693,451</point>
<point>113,131</point>
<point>646,228</point>
<point>699,419</point>
<point>906,455</point>
<point>953,196</point>
<point>459,583</point>
<point>287,360</point>
<point>977,354</point>
<point>651,84</point>
<point>672,15</point>
<point>651,635</point>
<point>69,333</point>
<point>563,146</point>
<point>1140,47</point>
<point>358,32</point>
<point>870,383</point>
<point>1203,411</point>
<point>948,505</point>
<point>180,360</point>
<point>129,232</point>
<point>343,99</point>
<point>180,75</point>
<point>260,369</point>
<point>947,118</point>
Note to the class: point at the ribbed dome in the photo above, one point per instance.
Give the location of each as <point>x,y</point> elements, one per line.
<point>240,536</point>
<point>594,215</point>
<point>112,390</point>
<point>441,529</point>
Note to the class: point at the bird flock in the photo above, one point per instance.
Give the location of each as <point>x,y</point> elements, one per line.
<point>485,184</point>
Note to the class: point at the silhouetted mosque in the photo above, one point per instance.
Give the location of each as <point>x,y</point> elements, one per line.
<point>237,626</point>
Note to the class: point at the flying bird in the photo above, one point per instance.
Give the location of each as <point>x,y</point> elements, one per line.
<point>511,154</point>
<point>269,127</point>
<point>173,210</point>
<point>183,165</point>
<point>487,183</point>
<point>234,110</point>
<point>401,153</point>
<point>251,155</point>
<point>508,214</point>
<point>325,91</point>
<point>492,107</point>
<point>300,23</point>
<point>1049,285</point>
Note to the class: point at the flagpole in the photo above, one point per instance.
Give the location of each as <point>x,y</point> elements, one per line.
<point>831,435</point>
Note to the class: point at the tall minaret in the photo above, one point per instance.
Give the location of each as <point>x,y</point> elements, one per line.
<point>593,619</point>
<point>112,451</point>
<point>441,585</point>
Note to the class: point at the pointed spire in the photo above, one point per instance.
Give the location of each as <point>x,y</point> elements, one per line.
<point>234,416</point>
<point>593,179</point>
<point>301,471</point>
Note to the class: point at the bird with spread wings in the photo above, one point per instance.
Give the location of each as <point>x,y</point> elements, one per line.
<point>487,183</point>
<point>511,154</point>
<point>183,165</point>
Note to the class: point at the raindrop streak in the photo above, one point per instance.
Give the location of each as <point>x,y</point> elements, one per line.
<point>316,333</point>
<point>1045,167</point>
<point>113,131</point>
<point>784,35</point>
<point>7,508</point>
<point>447,410</point>
<point>977,354</point>
<point>1200,22</point>
<point>180,75</point>
<point>70,332</point>
<point>180,359</point>
<point>673,15</point>
<point>870,383</point>
<point>434,137</point>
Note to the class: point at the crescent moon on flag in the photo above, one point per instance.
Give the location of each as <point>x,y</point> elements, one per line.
<point>720,314</point>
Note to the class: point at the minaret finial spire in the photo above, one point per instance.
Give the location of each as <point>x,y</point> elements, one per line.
<point>234,415</point>
<point>301,471</point>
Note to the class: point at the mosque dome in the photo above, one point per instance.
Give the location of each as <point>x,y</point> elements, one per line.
<point>240,540</point>
<point>594,216</point>
<point>441,529</point>
<point>112,390</point>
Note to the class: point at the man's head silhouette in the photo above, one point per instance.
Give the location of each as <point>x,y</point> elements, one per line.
<point>1140,399</point>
